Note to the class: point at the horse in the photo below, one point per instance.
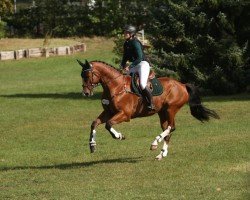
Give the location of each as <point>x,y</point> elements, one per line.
<point>120,104</point>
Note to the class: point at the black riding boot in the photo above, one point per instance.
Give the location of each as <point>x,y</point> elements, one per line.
<point>149,98</point>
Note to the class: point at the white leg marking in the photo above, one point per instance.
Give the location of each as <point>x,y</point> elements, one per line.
<point>92,140</point>
<point>160,137</point>
<point>116,134</point>
<point>164,151</point>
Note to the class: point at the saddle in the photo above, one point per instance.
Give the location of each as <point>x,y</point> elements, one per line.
<point>153,84</point>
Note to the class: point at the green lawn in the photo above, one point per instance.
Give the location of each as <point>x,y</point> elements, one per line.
<point>44,153</point>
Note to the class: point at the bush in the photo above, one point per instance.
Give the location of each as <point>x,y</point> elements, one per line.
<point>2,29</point>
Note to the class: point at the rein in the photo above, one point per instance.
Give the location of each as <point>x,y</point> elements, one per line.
<point>124,89</point>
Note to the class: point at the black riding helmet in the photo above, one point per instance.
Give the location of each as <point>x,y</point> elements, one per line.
<point>130,29</point>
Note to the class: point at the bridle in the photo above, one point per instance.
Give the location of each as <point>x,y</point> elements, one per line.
<point>95,85</point>
<point>90,86</point>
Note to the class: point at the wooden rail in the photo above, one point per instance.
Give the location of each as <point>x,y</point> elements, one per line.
<point>41,52</point>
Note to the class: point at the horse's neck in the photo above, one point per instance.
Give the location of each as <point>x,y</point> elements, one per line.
<point>111,80</point>
<point>109,76</point>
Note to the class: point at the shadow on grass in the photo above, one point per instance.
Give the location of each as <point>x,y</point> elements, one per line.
<point>71,95</point>
<point>73,165</point>
<point>97,95</point>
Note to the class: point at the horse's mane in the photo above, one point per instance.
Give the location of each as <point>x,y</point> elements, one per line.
<point>106,64</point>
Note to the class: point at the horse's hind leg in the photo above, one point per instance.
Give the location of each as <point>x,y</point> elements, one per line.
<point>168,125</point>
<point>163,115</point>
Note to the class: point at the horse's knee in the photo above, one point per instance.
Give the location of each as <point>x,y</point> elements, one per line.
<point>94,124</point>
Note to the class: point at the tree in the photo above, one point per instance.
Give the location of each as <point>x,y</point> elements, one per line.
<point>6,7</point>
<point>198,39</point>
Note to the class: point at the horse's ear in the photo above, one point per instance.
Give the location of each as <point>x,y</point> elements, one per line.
<point>80,63</point>
<point>88,66</point>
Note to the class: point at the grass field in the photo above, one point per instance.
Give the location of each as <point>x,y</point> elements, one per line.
<point>44,129</point>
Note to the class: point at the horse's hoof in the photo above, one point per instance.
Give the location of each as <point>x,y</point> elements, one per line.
<point>159,157</point>
<point>122,137</point>
<point>153,147</point>
<point>92,148</point>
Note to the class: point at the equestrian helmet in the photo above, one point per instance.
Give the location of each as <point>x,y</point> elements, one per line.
<point>130,29</point>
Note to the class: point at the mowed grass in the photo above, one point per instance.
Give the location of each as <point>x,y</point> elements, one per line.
<point>44,129</point>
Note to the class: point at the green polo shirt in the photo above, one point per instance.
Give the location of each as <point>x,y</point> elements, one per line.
<point>133,52</point>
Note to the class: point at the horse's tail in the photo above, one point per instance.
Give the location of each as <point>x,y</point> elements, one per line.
<point>198,110</point>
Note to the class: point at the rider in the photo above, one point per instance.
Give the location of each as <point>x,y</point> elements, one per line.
<point>133,52</point>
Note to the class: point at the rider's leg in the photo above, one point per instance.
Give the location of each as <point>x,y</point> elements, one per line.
<point>148,96</point>
<point>143,71</point>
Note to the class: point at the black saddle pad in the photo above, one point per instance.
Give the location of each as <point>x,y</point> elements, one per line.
<point>156,86</point>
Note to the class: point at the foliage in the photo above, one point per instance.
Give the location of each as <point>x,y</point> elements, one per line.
<point>198,40</point>
<point>6,7</point>
<point>2,29</point>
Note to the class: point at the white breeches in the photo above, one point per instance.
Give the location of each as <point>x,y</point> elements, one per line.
<point>143,70</point>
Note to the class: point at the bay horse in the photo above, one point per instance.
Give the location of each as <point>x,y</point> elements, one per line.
<point>120,104</point>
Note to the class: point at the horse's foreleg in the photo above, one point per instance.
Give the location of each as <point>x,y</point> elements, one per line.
<point>102,118</point>
<point>116,119</point>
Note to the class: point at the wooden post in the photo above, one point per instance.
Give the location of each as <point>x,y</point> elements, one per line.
<point>84,47</point>
<point>46,52</point>
<point>68,51</point>
<point>27,53</point>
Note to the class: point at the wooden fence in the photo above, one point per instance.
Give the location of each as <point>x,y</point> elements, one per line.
<point>41,52</point>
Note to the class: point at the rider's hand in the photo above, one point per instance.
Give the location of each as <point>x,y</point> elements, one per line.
<point>125,70</point>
